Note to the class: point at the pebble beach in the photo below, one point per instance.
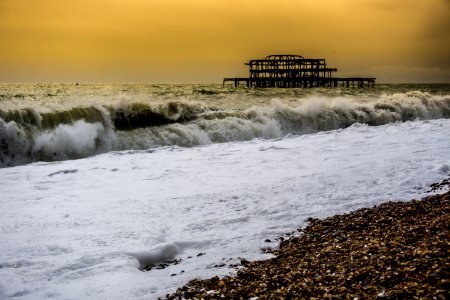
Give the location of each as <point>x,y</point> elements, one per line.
<point>397,250</point>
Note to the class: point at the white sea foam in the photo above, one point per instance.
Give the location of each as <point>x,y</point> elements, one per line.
<point>83,229</point>
<point>160,254</point>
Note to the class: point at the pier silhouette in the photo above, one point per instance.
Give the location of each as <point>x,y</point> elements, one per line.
<point>294,71</point>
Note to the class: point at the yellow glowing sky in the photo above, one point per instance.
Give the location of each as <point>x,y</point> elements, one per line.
<point>190,41</point>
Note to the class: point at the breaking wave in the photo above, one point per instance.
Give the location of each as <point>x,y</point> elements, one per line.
<point>28,135</point>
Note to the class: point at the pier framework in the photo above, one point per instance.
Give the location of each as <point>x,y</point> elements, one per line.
<point>294,71</point>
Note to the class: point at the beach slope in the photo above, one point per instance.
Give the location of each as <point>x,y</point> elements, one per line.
<point>391,251</point>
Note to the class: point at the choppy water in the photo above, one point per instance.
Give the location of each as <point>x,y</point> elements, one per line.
<point>50,122</point>
<point>270,159</point>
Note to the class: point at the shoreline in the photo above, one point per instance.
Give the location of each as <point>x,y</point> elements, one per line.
<point>391,251</point>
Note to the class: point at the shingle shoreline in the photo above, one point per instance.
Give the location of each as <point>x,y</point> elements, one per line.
<point>397,250</point>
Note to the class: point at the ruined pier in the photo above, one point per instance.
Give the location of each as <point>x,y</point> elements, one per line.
<point>294,71</point>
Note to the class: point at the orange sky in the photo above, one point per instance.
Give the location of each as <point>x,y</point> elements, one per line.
<point>190,41</point>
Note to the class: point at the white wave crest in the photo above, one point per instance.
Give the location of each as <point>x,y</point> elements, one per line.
<point>202,132</point>
<point>320,113</point>
<point>79,139</point>
<point>22,143</point>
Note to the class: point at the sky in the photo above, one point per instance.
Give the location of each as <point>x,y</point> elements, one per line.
<point>203,41</point>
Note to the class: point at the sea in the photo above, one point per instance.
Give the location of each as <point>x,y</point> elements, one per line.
<point>129,191</point>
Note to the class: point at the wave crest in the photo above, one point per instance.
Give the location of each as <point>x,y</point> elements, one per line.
<point>27,135</point>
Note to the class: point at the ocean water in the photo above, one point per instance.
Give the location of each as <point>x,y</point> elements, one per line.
<point>98,182</point>
<point>61,122</point>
